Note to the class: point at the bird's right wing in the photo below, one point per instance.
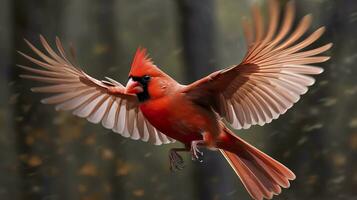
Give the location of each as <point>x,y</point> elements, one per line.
<point>275,72</point>
<point>87,97</point>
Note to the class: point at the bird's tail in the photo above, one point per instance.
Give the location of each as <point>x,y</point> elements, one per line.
<point>261,175</point>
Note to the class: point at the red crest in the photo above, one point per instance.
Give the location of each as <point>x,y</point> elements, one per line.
<point>141,62</point>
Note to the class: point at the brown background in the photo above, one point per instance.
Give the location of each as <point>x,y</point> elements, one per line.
<point>49,155</point>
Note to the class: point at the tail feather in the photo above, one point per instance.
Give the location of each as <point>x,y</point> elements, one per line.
<point>251,182</point>
<point>261,175</point>
<point>280,179</point>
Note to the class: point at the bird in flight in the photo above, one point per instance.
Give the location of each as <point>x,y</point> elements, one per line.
<point>154,107</point>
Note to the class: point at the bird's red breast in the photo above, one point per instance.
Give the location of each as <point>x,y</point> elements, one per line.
<point>179,118</point>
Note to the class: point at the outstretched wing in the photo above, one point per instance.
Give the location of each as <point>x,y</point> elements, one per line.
<point>274,73</point>
<point>97,101</point>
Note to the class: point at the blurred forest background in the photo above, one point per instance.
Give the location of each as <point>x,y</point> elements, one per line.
<point>50,156</point>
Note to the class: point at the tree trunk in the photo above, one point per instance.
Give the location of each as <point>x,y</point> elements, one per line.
<point>31,124</point>
<point>198,31</point>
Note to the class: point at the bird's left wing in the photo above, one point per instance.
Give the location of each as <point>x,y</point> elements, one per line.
<point>97,101</point>
<point>274,73</point>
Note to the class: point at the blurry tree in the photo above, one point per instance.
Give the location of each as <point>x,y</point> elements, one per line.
<point>341,123</point>
<point>62,163</point>
<point>313,134</point>
<point>30,123</point>
<point>106,49</point>
<point>54,155</point>
<point>198,36</point>
<point>10,180</point>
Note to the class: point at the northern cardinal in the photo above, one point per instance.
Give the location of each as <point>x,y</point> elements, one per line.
<point>154,107</point>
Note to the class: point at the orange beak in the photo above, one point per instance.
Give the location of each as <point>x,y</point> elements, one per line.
<point>133,87</point>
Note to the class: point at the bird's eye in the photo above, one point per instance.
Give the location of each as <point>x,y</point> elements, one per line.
<point>146,78</point>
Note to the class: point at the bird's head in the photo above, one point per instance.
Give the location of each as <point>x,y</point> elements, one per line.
<point>146,80</point>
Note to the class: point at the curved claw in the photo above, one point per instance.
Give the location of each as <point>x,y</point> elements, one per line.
<point>196,153</point>
<point>176,161</point>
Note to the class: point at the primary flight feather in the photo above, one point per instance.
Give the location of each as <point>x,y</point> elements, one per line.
<point>153,107</point>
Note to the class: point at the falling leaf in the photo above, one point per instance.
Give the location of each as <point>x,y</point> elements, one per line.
<point>90,140</point>
<point>353,123</point>
<point>324,82</point>
<point>100,49</point>
<point>329,101</point>
<point>148,154</point>
<point>301,141</point>
<point>34,161</point>
<point>339,159</point>
<point>312,127</point>
<point>231,193</point>
<point>351,90</point>
<point>36,189</point>
<point>123,169</point>
<point>353,141</point>
<point>338,179</point>
<point>88,169</point>
<point>138,192</point>
<point>69,133</point>
<point>29,140</point>
<point>107,154</point>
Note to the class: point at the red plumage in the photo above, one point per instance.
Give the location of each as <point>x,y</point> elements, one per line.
<point>141,61</point>
<point>154,107</point>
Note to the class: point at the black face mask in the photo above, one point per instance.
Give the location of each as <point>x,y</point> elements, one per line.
<point>144,81</point>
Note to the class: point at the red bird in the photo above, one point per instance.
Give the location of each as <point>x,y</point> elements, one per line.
<point>154,107</point>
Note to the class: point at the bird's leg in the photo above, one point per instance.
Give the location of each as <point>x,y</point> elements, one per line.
<point>176,161</point>
<point>196,153</point>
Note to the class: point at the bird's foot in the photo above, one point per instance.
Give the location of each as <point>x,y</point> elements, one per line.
<point>176,161</point>
<point>196,153</point>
